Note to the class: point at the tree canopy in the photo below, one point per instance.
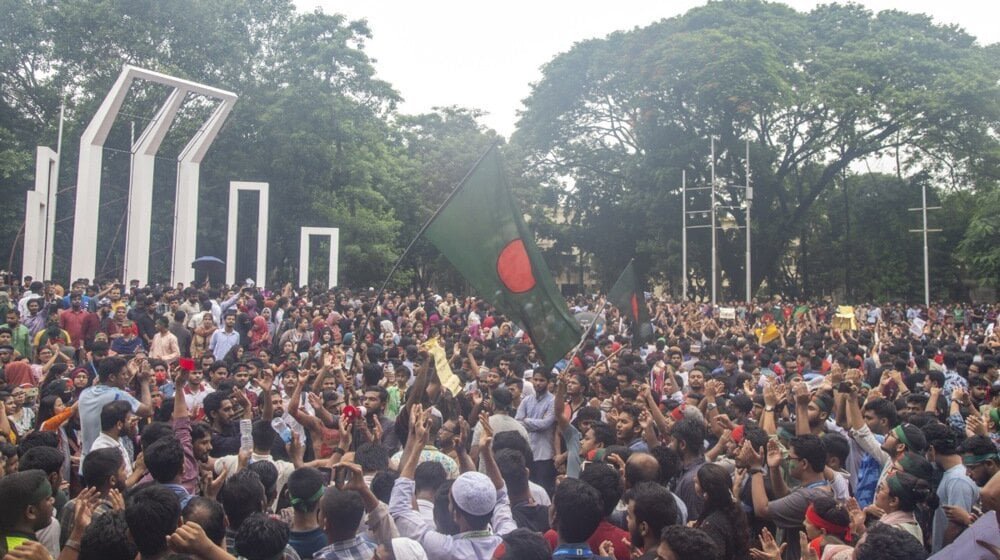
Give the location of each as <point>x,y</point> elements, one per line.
<point>819,95</point>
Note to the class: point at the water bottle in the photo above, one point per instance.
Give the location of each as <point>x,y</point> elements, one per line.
<point>283,430</point>
<point>246,439</point>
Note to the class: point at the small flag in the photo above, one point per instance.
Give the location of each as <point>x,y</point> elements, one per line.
<point>629,298</point>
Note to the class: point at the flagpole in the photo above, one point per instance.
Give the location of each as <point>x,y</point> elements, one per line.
<point>395,267</point>
<point>586,333</point>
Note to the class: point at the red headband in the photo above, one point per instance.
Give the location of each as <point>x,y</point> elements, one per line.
<point>832,528</point>
<point>737,435</point>
<point>678,413</point>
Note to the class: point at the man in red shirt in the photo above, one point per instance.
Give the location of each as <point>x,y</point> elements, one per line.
<point>78,323</point>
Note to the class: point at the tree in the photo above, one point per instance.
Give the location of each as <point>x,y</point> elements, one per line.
<point>816,94</point>
<point>980,249</point>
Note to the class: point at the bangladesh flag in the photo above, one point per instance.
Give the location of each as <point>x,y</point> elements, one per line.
<point>628,297</point>
<point>480,230</point>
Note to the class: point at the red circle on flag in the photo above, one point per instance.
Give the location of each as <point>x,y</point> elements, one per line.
<point>635,307</point>
<point>514,268</point>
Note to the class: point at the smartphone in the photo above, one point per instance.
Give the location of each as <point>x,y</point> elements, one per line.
<point>342,476</point>
<point>844,387</point>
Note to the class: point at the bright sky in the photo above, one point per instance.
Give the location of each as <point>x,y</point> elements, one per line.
<point>486,55</point>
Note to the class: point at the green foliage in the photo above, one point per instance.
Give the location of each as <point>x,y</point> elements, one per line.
<point>613,122</point>
<point>312,119</point>
<point>980,248</point>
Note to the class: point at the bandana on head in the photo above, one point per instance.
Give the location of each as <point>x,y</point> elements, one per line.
<point>832,528</point>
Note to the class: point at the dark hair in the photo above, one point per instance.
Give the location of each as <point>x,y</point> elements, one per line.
<point>833,511</point>
<point>604,433</point>
<point>154,431</point>
<point>885,542</point>
<point>37,439</point>
<point>213,402</point>
<point>382,484</point>
<point>442,513</point>
<point>717,484</point>
<point>692,432</point>
<point>199,430</point>
<point>604,478</point>
<point>383,394</point>
<point>268,474</point>
<point>688,542</point>
<point>152,512</point>
<point>916,440</point>
<point>810,448</point>
<point>17,492</point>
<point>429,475</point>
<point>372,457</point>
<point>836,445</point>
<point>106,538</point>
<point>975,445</point>
<point>525,544</point>
<point>109,366</point>
<point>944,439</point>
<point>209,514</point>
<point>513,440</point>
<point>113,413</point>
<point>911,490</point>
<point>263,434</point>
<point>164,459</point>
<point>303,485</point>
<point>261,538</point>
<point>45,459</point>
<point>513,469</point>
<point>653,505</point>
<point>241,495</point>
<point>46,407</point>
<point>883,408</point>
<point>578,509</point>
<point>343,510</point>
<point>101,464</point>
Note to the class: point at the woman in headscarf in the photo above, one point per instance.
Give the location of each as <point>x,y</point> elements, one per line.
<point>260,335</point>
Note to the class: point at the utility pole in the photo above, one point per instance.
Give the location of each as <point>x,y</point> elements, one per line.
<point>748,199</point>
<point>924,231</point>
<point>684,237</point>
<point>715,274</point>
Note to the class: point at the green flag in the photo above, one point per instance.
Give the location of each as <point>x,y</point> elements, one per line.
<point>628,297</point>
<point>480,230</point>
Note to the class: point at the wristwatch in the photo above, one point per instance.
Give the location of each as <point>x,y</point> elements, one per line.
<point>711,406</point>
<point>768,408</point>
<point>756,470</point>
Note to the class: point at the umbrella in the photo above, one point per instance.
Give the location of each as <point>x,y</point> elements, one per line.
<point>585,318</point>
<point>209,265</point>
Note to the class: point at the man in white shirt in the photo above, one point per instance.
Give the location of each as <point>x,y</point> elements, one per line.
<point>116,417</point>
<point>263,438</point>
<point>224,340</point>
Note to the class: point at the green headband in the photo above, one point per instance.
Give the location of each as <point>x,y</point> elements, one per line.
<point>896,486</point>
<point>784,433</point>
<point>309,500</point>
<point>995,415</point>
<point>901,435</point>
<point>43,492</point>
<point>908,465</point>
<point>970,460</point>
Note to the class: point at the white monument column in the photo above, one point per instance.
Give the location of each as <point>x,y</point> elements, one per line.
<point>40,217</point>
<point>140,189</point>
<point>262,213</point>
<point>334,235</point>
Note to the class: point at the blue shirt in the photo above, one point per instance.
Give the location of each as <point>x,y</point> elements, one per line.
<point>539,417</point>
<point>222,342</point>
<point>92,400</point>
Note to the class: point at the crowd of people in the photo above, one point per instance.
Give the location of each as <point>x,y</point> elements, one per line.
<point>239,422</point>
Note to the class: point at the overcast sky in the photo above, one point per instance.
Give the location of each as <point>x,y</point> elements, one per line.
<point>486,55</point>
